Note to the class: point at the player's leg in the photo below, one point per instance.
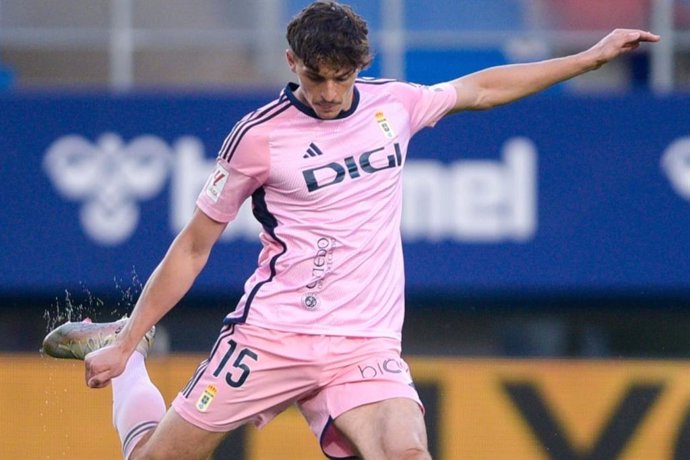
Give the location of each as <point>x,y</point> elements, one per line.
<point>138,405</point>
<point>174,437</point>
<point>251,375</point>
<point>369,406</point>
<point>146,431</point>
<point>207,409</point>
<point>392,429</point>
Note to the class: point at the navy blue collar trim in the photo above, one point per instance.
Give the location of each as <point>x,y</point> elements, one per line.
<point>290,93</point>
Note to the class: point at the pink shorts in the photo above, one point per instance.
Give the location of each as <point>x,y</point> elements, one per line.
<point>253,374</point>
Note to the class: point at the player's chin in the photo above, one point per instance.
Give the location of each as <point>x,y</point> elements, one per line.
<point>327,114</point>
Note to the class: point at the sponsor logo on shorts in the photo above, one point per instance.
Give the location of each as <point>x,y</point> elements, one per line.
<point>382,367</point>
<point>206,398</point>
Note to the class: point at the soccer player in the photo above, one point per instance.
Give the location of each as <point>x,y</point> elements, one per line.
<point>319,324</point>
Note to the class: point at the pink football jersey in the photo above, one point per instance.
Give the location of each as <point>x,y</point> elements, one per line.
<point>328,194</point>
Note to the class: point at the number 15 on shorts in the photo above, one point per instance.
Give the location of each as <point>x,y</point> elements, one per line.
<point>240,370</point>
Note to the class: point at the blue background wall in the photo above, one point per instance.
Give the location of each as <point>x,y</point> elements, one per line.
<point>607,217</point>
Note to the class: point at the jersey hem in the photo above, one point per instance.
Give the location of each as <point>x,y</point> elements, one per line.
<point>329,331</point>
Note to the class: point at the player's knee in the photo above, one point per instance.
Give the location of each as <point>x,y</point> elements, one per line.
<point>409,453</point>
<point>143,451</point>
<point>139,450</point>
<point>148,454</point>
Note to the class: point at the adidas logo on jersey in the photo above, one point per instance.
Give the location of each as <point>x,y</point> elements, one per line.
<point>312,151</point>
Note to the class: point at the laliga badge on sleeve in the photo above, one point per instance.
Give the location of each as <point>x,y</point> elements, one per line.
<point>216,183</point>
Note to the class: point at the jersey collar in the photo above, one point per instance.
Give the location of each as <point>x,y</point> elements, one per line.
<point>302,107</point>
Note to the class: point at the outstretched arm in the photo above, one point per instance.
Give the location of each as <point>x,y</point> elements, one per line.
<point>504,84</point>
<point>169,282</point>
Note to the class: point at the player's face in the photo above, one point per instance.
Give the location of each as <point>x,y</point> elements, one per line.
<point>327,91</point>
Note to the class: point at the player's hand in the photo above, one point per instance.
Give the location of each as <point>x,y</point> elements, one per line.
<point>103,365</point>
<point>618,42</point>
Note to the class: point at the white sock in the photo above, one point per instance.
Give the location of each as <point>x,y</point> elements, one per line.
<point>138,406</point>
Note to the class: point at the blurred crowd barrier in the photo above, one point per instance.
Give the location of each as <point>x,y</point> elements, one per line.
<point>126,44</point>
<point>481,409</point>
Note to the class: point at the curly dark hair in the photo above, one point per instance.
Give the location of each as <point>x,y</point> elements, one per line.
<point>332,34</point>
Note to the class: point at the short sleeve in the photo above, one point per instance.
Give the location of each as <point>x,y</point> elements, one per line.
<point>242,167</point>
<point>426,104</point>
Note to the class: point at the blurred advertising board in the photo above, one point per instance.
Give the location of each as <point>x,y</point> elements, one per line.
<point>553,194</point>
<point>480,409</point>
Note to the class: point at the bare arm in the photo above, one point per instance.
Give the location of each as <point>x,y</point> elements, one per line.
<point>504,84</point>
<point>166,286</point>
